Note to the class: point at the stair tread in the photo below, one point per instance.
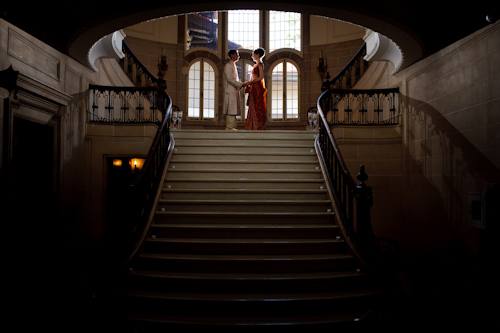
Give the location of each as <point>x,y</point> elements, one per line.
<point>246,226</point>
<point>324,295</point>
<point>244,180</point>
<point>247,276</point>
<point>248,257</point>
<point>249,153</point>
<point>241,190</point>
<point>242,161</point>
<point>245,240</point>
<point>244,170</point>
<point>250,201</point>
<point>225,143</point>
<point>251,319</point>
<point>253,214</point>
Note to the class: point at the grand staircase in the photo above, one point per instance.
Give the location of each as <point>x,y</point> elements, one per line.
<point>244,234</point>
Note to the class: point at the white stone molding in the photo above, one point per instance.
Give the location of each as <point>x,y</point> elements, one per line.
<point>109,46</point>
<point>379,47</point>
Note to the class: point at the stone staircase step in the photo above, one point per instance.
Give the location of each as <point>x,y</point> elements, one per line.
<point>245,174</point>
<point>243,141</point>
<point>236,135</point>
<point>245,205</point>
<point>228,217</point>
<point>248,282</point>
<point>269,149</point>
<point>243,246</point>
<point>238,231</point>
<point>244,165</point>
<point>244,263</point>
<point>224,183</point>
<point>252,305</point>
<point>244,194</point>
<point>263,156</point>
<point>149,322</point>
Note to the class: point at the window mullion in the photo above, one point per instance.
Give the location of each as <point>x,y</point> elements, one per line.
<point>284,90</point>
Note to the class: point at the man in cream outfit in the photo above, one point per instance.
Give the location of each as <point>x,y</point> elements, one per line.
<point>232,86</point>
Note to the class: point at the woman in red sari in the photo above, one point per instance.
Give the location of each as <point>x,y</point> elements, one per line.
<point>257,105</point>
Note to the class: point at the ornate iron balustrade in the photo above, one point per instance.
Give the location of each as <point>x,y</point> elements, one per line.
<point>137,72</point>
<point>360,107</point>
<point>142,191</point>
<point>350,74</point>
<point>110,104</point>
<point>354,201</point>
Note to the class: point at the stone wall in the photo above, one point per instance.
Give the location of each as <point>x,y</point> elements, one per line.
<point>450,146</point>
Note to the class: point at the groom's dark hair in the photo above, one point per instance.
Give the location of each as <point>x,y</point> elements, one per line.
<point>231,52</point>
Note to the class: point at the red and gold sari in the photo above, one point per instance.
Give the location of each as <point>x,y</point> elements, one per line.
<point>257,105</point>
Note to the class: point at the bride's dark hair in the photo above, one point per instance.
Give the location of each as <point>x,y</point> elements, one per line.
<point>260,51</point>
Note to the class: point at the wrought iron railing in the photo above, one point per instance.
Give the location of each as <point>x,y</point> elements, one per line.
<point>137,72</point>
<point>360,107</point>
<point>354,200</point>
<point>348,76</point>
<point>109,104</point>
<point>142,191</point>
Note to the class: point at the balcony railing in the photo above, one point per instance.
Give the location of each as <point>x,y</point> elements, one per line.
<point>360,107</point>
<point>109,104</point>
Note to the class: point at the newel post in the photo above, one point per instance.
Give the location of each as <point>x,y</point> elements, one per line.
<point>363,207</point>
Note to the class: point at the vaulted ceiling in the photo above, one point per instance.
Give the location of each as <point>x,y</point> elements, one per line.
<point>420,28</point>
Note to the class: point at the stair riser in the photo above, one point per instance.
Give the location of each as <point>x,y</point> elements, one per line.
<point>238,184</point>
<point>236,174</point>
<point>237,266</point>
<point>241,142</point>
<point>247,286</point>
<point>249,309</point>
<point>233,135</point>
<point>276,150</point>
<point>244,249</point>
<point>165,217</point>
<point>241,195</point>
<point>244,233</point>
<point>244,156</point>
<point>221,206</point>
<point>242,166</point>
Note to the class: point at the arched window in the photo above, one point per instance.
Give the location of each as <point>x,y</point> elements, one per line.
<point>201,90</point>
<point>284,91</point>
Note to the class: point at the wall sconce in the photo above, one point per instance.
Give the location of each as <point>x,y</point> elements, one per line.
<point>117,162</point>
<point>162,65</point>
<point>136,164</point>
<point>322,65</point>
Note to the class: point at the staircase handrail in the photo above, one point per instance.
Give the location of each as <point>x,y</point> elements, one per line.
<point>151,80</point>
<point>143,188</point>
<point>353,201</point>
<point>354,63</point>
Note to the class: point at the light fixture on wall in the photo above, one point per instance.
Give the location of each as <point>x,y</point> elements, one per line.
<point>136,164</point>
<point>162,65</point>
<point>117,162</point>
<point>162,69</point>
<point>322,65</point>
